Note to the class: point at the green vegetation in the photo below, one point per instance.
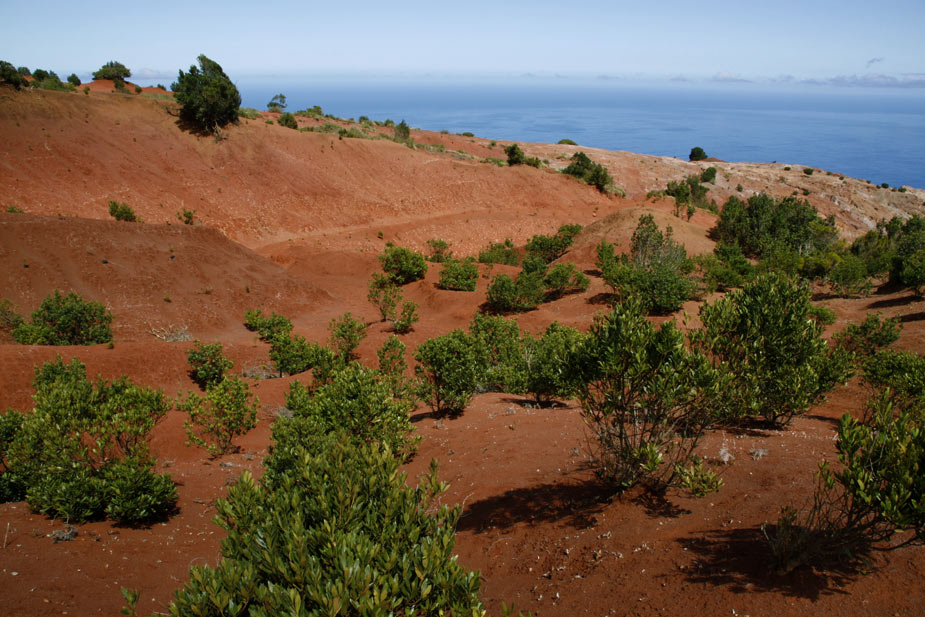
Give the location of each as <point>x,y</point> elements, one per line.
<point>566,142</point>
<point>225,412</point>
<point>287,120</point>
<point>9,75</point>
<point>406,319</point>
<point>207,97</point>
<point>448,370</point>
<point>545,364</point>
<point>268,328</point>
<point>113,70</point>
<point>402,265</point>
<point>186,216</point>
<point>522,293</point>
<point>550,248</point>
<point>73,79</point>
<point>401,132</point>
<point>708,175</point>
<point>122,212</point>
<point>66,320</point>
<point>82,453</point>
<point>459,275</point>
<point>207,364</point>
<point>384,295</point>
<point>346,334</point>
<point>516,156</point>
<point>590,172</point>
<point>500,253</point>
<point>697,154</point>
<point>565,278</point>
<point>439,250</point>
<point>277,103</point>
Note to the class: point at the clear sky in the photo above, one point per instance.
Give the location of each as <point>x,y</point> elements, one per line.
<point>844,42</point>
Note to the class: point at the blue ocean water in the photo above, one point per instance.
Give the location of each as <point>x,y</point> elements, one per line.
<point>874,134</point>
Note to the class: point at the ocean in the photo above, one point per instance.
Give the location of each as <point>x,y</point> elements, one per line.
<point>873,134</point>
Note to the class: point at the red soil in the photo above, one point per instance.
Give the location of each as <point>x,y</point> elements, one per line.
<point>309,207</point>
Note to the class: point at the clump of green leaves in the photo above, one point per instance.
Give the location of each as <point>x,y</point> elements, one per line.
<point>448,370</point>
<point>405,320</point>
<point>523,293</point>
<point>565,278</point>
<point>207,364</point>
<point>550,248</point>
<point>346,334</point>
<point>547,373</point>
<point>287,120</point>
<point>590,172</point>
<point>459,275</point>
<point>122,212</point>
<point>66,320</point>
<point>186,216</point>
<point>402,264</point>
<point>516,156</point>
<point>500,253</point>
<point>439,250</point>
<point>227,410</point>
<point>267,327</point>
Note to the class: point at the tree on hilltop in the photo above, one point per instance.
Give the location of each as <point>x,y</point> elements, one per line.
<point>113,70</point>
<point>277,103</point>
<point>207,97</point>
<point>697,154</point>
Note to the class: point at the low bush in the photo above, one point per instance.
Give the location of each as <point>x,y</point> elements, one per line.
<point>405,320</point>
<point>903,372</point>
<point>122,212</point>
<point>566,142</point>
<point>287,120</point>
<point>291,355</point>
<point>66,320</point>
<point>516,156</point>
<point>523,293</point>
<point>498,345</point>
<point>849,277</point>
<point>401,132</point>
<point>547,374</point>
<point>448,369</point>
<point>346,334</point>
<point>392,366</point>
<point>565,278</point>
<point>207,364</point>
<point>590,172</point>
<point>267,327</point>
<point>459,275</point>
<point>869,337</point>
<point>708,175</point>
<point>82,453</point>
<point>225,412</point>
<point>384,295</point>
<point>439,250</point>
<point>500,253</point>
<point>550,248</point>
<point>9,75</point>
<point>697,154</point>
<point>186,216</point>
<point>402,265</point>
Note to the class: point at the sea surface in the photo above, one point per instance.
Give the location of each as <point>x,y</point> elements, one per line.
<point>873,134</point>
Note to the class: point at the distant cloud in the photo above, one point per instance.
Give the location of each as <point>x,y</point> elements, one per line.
<point>145,73</point>
<point>873,61</point>
<point>606,77</point>
<point>680,78</point>
<point>873,80</point>
<point>730,78</point>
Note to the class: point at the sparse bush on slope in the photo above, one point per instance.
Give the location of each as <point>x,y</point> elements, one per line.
<point>66,320</point>
<point>207,97</point>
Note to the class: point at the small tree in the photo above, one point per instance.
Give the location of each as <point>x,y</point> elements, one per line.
<point>515,156</point>
<point>405,320</point>
<point>403,265</point>
<point>207,364</point>
<point>547,374</point>
<point>697,154</point>
<point>402,132</point>
<point>66,320</point>
<point>448,369</point>
<point>225,412</point>
<point>207,97</point>
<point>288,120</point>
<point>346,334</point>
<point>384,295</point>
<point>113,70</point>
<point>459,275</point>
<point>277,103</point>
<point>73,79</point>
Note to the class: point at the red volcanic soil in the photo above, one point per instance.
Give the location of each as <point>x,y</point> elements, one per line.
<point>289,222</point>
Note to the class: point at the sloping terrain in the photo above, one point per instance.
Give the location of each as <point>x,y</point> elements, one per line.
<point>292,222</point>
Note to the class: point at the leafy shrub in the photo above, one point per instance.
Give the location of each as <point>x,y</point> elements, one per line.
<point>384,295</point>
<point>357,402</point>
<point>248,112</point>
<point>122,212</point>
<point>564,278</point>
<point>293,354</point>
<point>903,372</point>
<point>459,275</point>
<point>405,320</point>
<point>524,293</point>
<point>186,216</point>
<point>277,103</point>
<point>401,132</point>
<point>287,120</point>
<point>323,534</point>
<point>546,363</point>
<point>550,248</point>
<point>439,250</point>
<point>113,70</point>
<point>82,452</point>
<point>207,364</point>
<point>346,334</point>
<point>646,398</point>
<point>808,171</point>
<point>708,175</point>
<point>516,156</point>
<point>9,75</point>
<point>566,142</point>
<point>872,335</point>
<point>876,494</point>
<point>402,265</point>
<point>448,370</point>
<point>499,351</point>
<point>763,336</point>
<point>267,328</point>
<point>849,277</point>
<point>500,253</point>
<point>589,172</point>
<point>225,412</point>
<point>66,320</point>
<point>207,97</point>
<point>392,366</point>
<point>697,154</point>
<point>9,318</point>
<point>913,272</point>
<point>73,79</point>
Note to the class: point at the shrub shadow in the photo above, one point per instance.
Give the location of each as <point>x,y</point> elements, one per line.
<point>573,504</point>
<point>891,302</point>
<point>602,298</point>
<point>740,558</point>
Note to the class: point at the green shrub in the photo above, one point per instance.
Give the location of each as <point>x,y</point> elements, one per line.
<point>336,529</point>
<point>402,132</point>
<point>122,212</point>
<point>697,154</point>
<point>467,134</point>
<point>357,402</point>
<point>207,364</point>
<point>346,334</point>
<point>500,253</point>
<point>287,120</point>
<point>764,337</point>
<point>9,75</point>
<point>564,278</point>
<point>590,172</point>
<point>808,171</point>
<point>849,277</point>
<point>872,335</point>
<point>646,397</point>
<point>913,272</point>
<point>267,328</point>
<point>384,295</point>
<point>207,97</point>
<point>903,372</point>
<point>402,265</point>
<point>66,320</point>
<point>277,103</point>
<point>248,112</point>
<point>73,79</point>
<point>439,250</point>
<point>405,320</point>
<point>524,293</point>
<point>292,354</point>
<point>459,275</point>
<point>9,318</point>
<point>515,156</point>
<point>82,452</point>
<point>546,363</point>
<point>448,369</point>
<point>392,366</point>
<point>550,248</point>
<point>566,142</point>
<point>708,175</point>
<point>499,351</point>
<point>186,216</point>
<point>113,70</point>
<point>225,412</point>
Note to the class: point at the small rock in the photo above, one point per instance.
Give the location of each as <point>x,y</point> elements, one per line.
<point>64,535</point>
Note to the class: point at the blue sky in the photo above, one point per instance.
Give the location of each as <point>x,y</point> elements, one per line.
<point>840,43</point>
